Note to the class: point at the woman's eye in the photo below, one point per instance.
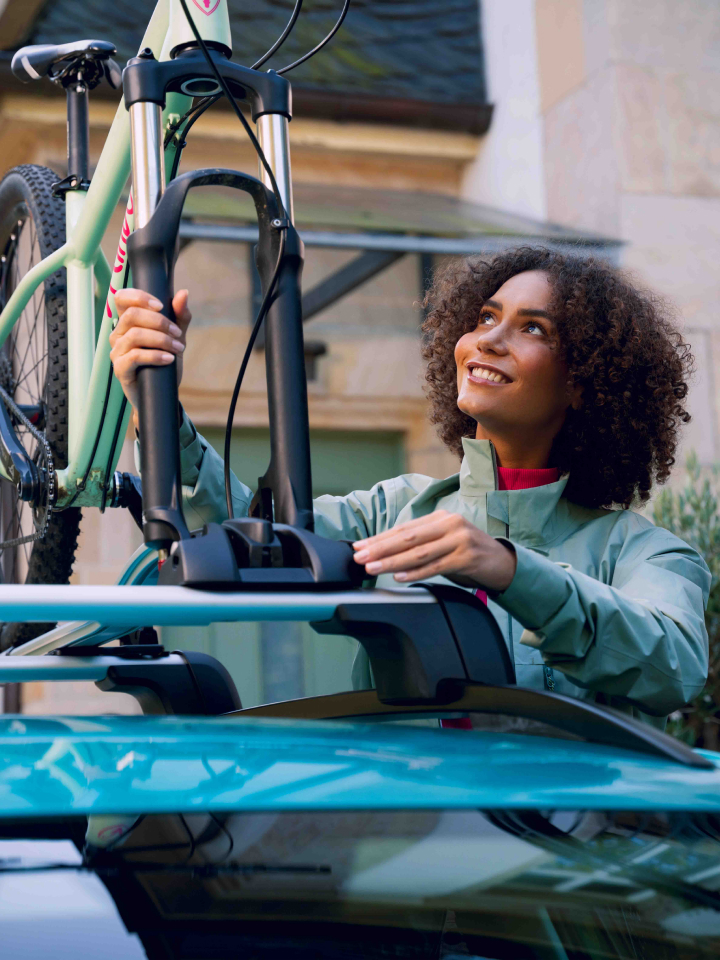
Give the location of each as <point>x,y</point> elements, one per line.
<point>486,318</point>
<point>535,329</point>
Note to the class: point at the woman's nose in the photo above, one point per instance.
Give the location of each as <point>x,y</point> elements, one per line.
<point>492,338</point>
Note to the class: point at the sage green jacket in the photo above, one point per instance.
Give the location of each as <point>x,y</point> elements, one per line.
<point>603,606</point>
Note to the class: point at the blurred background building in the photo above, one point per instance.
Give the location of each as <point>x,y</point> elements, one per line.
<point>424,131</point>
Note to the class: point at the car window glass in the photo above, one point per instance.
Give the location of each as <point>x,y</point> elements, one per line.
<point>436,883</point>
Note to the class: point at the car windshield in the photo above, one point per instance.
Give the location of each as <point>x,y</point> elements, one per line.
<point>447,884</point>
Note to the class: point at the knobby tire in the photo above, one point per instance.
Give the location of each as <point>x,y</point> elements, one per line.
<point>27,203</point>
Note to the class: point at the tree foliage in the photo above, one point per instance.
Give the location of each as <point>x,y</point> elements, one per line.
<point>693,514</point>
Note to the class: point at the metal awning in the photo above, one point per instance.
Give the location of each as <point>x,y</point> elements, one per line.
<point>385,220</point>
<point>383,226</point>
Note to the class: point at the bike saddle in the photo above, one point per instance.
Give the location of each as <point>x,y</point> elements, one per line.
<point>62,61</point>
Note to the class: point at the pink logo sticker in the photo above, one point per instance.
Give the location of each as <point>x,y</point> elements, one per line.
<point>116,830</point>
<point>207,6</point>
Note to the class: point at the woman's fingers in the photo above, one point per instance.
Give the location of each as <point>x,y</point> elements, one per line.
<point>136,317</point>
<point>181,310</point>
<point>443,566</point>
<point>407,529</point>
<point>406,535</point>
<point>146,338</point>
<point>133,359</point>
<point>137,308</point>
<point>440,544</point>
<point>131,297</point>
<point>414,558</point>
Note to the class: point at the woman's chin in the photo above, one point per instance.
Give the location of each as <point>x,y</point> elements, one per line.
<point>487,407</point>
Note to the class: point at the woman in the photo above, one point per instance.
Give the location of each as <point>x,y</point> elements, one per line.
<point>561,387</point>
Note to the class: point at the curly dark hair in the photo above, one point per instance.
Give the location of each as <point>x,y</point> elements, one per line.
<point>620,344</point>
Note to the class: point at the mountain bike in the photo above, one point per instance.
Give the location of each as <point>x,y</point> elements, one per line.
<point>62,414</point>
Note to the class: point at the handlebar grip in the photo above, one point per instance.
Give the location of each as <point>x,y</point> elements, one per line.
<point>158,407</point>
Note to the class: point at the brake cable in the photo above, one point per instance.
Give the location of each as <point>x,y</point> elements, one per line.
<point>323,43</point>
<point>282,38</point>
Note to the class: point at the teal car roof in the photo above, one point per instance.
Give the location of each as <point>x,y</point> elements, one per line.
<point>82,765</point>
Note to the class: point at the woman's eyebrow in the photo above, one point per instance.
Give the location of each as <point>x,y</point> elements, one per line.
<point>495,304</point>
<point>531,312</point>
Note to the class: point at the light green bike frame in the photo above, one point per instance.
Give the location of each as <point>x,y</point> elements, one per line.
<point>91,312</point>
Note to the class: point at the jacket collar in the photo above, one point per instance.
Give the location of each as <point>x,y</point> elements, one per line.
<point>478,470</point>
<point>533,516</point>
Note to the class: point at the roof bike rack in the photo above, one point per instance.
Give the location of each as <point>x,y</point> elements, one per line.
<point>421,642</point>
<point>416,639</point>
<point>595,724</point>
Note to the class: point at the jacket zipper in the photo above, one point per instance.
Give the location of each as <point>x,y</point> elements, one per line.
<point>493,456</point>
<point>507,534</point>
<point>548,675</point>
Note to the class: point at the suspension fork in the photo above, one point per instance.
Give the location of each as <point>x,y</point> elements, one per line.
<point>286,489</point>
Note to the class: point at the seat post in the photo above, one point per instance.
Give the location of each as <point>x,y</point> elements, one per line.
<point>78,149</point>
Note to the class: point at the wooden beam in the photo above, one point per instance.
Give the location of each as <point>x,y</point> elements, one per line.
<point>307,134</point>
<point>347,279</point>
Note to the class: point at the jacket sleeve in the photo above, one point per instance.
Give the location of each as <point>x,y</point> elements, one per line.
<point>352,517</point>
<point>203,481</point>
<point>640,637</point>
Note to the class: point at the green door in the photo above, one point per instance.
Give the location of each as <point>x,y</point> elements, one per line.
<point>280,660</point>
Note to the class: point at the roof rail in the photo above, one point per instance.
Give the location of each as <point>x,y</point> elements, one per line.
<point>588,721</point>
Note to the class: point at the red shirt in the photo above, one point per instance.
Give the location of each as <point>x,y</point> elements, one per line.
<point>510,478</point>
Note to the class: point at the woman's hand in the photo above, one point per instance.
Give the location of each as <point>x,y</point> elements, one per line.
<point>440,544</point>
<point>144,337</point>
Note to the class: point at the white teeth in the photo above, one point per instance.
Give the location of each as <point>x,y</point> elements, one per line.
<point>482,374</point>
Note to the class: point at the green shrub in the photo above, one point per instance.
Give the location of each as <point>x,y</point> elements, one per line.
<point>693,514</point>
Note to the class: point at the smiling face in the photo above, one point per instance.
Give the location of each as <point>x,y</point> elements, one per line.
<point>512,378</point>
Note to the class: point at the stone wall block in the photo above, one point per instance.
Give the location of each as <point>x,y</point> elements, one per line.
<point>692,103</point>
<point>580,158</point>
<point>665,34</point>
<point>641,142</point>
<point>675,247</point>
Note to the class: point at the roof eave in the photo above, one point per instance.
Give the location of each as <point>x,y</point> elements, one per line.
<point>310,102</point>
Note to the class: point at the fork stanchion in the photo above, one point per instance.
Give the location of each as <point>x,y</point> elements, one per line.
<point>274,138</point>
<point>163,521</point>
<point>287,483</point>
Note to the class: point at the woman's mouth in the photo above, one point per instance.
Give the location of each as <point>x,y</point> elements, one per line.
<point>487,375</point>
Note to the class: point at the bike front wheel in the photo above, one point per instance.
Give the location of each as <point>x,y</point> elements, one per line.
<point>34,373</point>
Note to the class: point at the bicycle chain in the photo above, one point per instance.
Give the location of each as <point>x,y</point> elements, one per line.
<point>44,446</point>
